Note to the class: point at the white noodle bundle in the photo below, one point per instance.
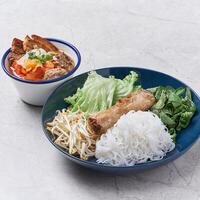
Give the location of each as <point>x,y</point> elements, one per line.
<point>136,138</point>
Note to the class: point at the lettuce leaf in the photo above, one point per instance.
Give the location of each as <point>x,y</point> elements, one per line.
<point>100,93</point>
<point>125,86</point>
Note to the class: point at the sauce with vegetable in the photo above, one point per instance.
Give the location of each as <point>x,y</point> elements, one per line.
<point>36,59</point>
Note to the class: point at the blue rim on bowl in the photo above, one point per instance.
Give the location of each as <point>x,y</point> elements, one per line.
<point>3,63</point>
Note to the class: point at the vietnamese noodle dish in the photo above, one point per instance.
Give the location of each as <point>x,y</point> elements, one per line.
<point>119,122</point>
<point>36,59</point>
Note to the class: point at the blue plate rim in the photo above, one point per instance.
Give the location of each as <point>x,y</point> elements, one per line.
<point>136,166</point>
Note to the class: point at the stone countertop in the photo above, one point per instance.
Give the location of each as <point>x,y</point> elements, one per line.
<point>161,35</point>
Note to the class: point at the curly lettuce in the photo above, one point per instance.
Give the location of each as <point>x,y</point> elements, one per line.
<point>100,93</point>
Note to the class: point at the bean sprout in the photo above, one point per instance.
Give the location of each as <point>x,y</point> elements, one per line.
<point>71,133</point>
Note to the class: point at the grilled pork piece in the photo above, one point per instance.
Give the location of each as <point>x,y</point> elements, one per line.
<point>64,61</point>
<point>17,51</point>
<point>54,73</point>
<point>36,42</point>
<point>100,122</point>
<point>17,46</point>
<point>45,44</point>
<point>29,44</point>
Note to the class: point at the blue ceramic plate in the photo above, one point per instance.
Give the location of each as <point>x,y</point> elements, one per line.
<point>148,79</point>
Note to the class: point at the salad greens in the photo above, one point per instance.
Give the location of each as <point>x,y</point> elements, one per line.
<point>100,93</point>
<point>173,107</point>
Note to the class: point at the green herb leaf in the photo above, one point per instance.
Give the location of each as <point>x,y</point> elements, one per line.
<point>42,58</point>
<point>161,102</point>
<point>173,108</point>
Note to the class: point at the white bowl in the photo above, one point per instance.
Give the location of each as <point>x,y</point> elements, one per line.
<point>37,92</point>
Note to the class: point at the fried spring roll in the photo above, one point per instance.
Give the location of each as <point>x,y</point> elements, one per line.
<point>100,122</point>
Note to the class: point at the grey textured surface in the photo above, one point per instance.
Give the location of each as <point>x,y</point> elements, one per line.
<point>161,35</point>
